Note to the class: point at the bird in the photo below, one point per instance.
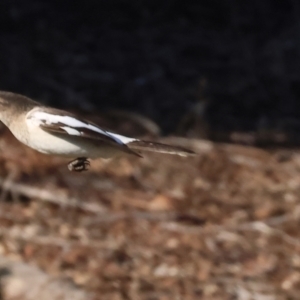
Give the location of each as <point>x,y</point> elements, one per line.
<point>61,133</point>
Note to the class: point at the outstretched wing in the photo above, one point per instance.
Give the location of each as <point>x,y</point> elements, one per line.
<point>61,122</point>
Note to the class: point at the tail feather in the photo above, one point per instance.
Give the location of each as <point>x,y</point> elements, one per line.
<point>140,145</point>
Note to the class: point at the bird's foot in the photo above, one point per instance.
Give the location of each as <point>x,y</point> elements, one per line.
<point>79,164</point>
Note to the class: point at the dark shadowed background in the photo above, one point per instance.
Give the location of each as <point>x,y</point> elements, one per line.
<point>158,58</point>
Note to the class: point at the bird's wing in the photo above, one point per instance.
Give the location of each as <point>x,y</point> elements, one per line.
<point>62,122</point>
<point>140,145</point>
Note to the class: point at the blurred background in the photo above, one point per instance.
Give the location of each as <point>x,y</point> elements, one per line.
<point>158,58</point>
<point>214,75</point>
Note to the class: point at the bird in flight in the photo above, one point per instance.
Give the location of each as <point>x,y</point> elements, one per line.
<point>58,132</point>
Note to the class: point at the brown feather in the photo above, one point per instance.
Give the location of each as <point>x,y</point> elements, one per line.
<point>141,145</point>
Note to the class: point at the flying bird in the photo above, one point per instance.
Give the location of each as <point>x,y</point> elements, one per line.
<point>58,132</point>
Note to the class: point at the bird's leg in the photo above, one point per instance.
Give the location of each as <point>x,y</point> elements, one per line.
<point>79,164</point>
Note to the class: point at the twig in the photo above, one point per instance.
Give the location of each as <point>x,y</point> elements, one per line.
<point>261,226</point>
<point>133,215</point>
<point>49,196</point>
<point>50,240</point>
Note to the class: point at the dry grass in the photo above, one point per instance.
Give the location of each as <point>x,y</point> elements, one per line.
<point>222,225</point>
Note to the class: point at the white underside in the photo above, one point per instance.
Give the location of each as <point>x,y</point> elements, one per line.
<point>63,145</point>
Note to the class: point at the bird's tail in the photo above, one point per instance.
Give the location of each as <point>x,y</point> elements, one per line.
<point>140,145</point>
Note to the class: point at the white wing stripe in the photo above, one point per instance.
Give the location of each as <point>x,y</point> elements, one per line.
<point>70,130</point>
<point>72,123</point>
<point>122,138</point>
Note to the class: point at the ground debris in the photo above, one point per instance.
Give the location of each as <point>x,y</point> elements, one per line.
<point>220,225</point>
<point>22,281</point>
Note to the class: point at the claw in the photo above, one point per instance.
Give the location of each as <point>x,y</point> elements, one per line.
<point>79,164</point>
